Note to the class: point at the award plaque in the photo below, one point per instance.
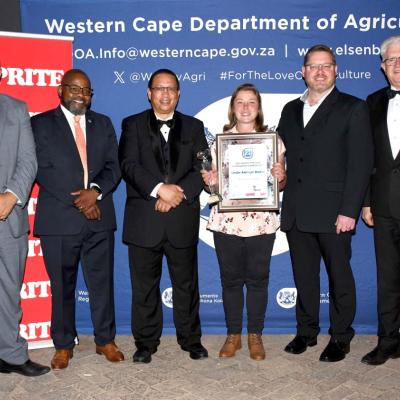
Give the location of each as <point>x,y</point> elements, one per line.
<point>244,163</point>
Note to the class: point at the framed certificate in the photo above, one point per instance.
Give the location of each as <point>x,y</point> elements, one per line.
<point>244,162</point>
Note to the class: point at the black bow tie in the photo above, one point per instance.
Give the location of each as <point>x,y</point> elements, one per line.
<point>392,93</point>
<point>169,123</point>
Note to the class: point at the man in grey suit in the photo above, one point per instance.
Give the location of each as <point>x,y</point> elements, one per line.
<point>17,171</point>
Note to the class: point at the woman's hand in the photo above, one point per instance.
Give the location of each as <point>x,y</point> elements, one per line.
<point>210,178</point>
<point>278,171</point>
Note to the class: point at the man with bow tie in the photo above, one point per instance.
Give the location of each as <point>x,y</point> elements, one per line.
<point>78,171</point>
<point>157,153</point>
<point>382,204</point>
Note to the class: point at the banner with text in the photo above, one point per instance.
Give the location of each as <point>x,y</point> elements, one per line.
<point>214,47</point>
<point>31,73</point>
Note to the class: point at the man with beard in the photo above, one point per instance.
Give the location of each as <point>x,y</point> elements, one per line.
<point>329,159</point>
<point>75,218</point>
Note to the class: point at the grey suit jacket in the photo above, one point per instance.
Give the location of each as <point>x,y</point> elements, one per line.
<point>18,163</point>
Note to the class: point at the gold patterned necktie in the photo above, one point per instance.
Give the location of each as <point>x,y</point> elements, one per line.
<point>81,145</point>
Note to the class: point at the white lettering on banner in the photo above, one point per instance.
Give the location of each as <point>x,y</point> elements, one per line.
<point>35,330</point>
<point>348,50</point>
<point>32,290</point>
<point>88,26</point>
<point>252,23</point>
<point>32,206</point>
<point>140,24</point>
<point>365,24</point>
<point>31,77</point>
<point>34,248</point>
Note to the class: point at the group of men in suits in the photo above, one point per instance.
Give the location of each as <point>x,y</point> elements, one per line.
<point>78,165</point>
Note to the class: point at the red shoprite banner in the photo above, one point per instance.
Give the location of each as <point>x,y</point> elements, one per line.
<point>32,67</point>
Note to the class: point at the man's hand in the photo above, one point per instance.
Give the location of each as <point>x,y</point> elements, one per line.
<point>7,203</point>
<point>344,224</point>
<point>93,212</point>
<point>162,206</point>
<point>367,216</point>
<point>171,194</point>
<point>85,199</point>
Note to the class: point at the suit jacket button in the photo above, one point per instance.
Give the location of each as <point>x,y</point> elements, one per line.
<point>299,180</point>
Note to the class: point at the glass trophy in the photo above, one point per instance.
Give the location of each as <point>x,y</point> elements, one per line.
<point>205,157</point>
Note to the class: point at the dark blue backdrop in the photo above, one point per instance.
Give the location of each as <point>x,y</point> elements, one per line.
<point>214,47</point>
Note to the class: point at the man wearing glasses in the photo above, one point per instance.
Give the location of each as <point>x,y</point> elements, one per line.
<point>328,143</point>
<point>158,160</point>
<point>78,171</point>
<point>382,205</point>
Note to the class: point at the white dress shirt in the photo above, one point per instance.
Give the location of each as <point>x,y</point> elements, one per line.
<point>393,123</point>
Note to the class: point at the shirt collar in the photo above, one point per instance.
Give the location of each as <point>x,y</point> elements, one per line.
<point>68,114</point>
<point>304,96</point>
<point>164,119</point>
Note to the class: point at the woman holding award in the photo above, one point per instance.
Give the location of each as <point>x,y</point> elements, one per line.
<point>244,240</point>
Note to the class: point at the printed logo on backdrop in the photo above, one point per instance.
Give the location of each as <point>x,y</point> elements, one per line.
<point>166,297</point>
<point>210,298</point>
<point>286,297</point>
<point>215,116</point>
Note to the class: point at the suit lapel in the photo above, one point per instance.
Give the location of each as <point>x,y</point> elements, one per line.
<point>382,127</point>
<point>299,114</point>
<point>152,128</point>
<point>174,140</point>
<point>91,141</point>
<point>320,116</point>
<point>66,136</point>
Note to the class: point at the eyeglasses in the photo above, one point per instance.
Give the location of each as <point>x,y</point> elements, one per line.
<point>74,89</point>
<point>317,67</point>
<point>163,89</point>
<point>391,60</point>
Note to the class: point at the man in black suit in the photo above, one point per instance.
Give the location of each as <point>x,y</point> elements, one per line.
<point>382,205</point>
<point>329,159</point>
<point>158,156</point>
<point>78,171</point>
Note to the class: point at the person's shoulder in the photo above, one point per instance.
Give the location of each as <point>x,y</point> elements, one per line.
<point>90,114</point>
<point>188,119</point>
<point>45,115</point>
<point>12,101</point>
<point>139,116</point>
<point>349,98</point>
<point>377,95</point>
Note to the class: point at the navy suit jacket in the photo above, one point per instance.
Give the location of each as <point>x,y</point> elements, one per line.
<point>60,172</point>
<point>142,164</point>
<point>328,162</point>
<point>384,194</point>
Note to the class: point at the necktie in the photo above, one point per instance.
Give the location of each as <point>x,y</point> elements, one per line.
<point>392,93</point>
<point>81,145</point>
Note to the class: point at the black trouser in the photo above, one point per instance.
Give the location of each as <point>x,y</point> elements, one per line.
<point>306,250</point>
<point>62,254</point>
<point>387,250</point>
<point>147,318</point>
<point>244,261</point>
